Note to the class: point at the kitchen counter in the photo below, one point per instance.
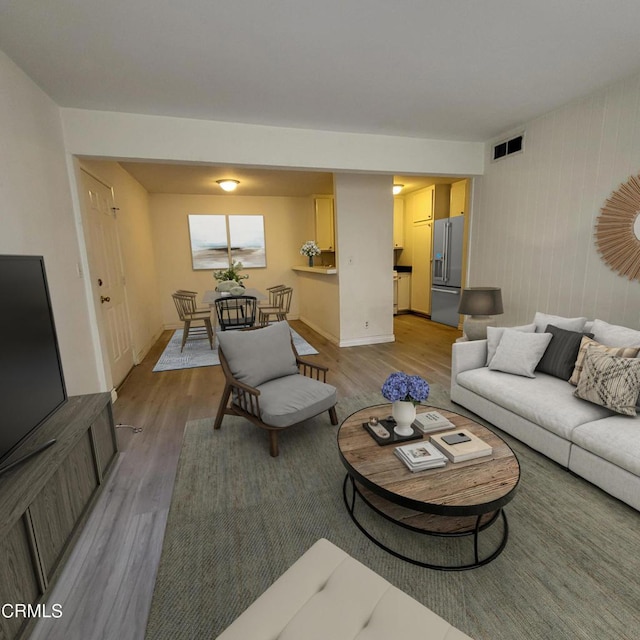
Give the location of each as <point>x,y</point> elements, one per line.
<point>319,270</point>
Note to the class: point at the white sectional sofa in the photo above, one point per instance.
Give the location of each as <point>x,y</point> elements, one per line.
<point>543,412</point>
<point>328,594</point>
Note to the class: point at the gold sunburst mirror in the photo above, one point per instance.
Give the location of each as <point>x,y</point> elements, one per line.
<point>618,229</point>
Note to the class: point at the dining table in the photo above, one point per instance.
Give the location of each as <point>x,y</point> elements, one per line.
<point>210,297</point>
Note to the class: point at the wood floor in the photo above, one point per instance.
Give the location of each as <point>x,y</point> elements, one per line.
<point>106,588</point>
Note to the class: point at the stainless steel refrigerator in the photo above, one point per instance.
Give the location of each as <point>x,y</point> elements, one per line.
<point>446,276</point>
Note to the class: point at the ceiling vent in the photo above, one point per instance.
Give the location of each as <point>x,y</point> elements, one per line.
<point>508,147</point>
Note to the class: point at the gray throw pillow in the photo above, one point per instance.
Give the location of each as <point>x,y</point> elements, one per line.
<point>559,359</point>
<point>541,320</point>
<point>259,355</point>
<point>519,353</point>
<point>494,335</point>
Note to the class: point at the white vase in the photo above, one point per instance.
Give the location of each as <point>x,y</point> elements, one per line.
<point>404,413</point>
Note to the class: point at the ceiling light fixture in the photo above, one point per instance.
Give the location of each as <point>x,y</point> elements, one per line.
<point>397,188</point>
<point>228,185</point>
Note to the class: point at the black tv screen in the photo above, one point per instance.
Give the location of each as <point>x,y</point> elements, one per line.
<point>31,380</point>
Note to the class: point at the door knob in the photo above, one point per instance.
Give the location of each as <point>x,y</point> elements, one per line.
<point>103,299</point>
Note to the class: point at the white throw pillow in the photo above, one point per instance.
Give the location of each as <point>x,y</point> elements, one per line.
<point>494,335</point>
<point>541,320</point>
<point>519,353</point>
<point>614,335</point>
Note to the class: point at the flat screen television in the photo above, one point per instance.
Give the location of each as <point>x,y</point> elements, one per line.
<point>31,379</point>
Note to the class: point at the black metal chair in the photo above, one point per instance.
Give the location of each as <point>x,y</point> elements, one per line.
<point>236,312</point>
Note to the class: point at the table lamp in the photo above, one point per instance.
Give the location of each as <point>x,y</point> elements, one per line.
<point>480,305</point>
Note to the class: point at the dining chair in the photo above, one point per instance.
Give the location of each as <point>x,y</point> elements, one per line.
<point>236,312</point>
<point>188,313</point>
<point>280,307</point>
<point>194,295</point>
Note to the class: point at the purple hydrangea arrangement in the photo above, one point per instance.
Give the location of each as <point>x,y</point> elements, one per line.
<point>402,386</point>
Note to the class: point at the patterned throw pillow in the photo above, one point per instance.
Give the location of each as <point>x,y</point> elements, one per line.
<point>610,381</point>
<point>622,352</point>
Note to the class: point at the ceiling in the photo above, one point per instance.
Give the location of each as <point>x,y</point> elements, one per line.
<point>457,70</point>
<point>199,179</point>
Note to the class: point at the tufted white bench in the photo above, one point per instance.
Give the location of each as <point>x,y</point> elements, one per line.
<point>328,594</point>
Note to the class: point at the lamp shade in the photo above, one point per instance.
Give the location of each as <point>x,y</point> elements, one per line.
<point>481,301</point>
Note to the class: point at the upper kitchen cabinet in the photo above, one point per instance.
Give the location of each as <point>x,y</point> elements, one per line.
<point>431,203</point>
<point>325,226</point>
<point>458,198</point>
<point>398,223</point>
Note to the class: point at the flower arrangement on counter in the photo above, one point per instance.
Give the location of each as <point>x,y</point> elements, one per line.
<point>401,387</point>
<point>310,249</point>
<point>232,273</point>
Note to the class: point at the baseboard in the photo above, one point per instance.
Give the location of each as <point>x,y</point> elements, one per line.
<point>319,330</point>
<point>357,342</point>
<point>139,355</point>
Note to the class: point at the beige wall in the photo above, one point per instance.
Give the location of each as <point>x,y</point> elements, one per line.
<point>534,213</point>
<point>36,215</point>
<point>138,255</point>
<point>319,298</point>
<point>364,222</point>
<point>288,223</point>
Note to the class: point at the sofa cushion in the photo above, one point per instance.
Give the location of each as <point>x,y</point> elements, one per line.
<point>622,352</point>
<point>615,335</point>
<point>541,320</point>
<point>519,353</point>
<point>615,439</point>
<point>610,381</point>
<point>559,359</point>
<point>494,335</point>
<point>259,355</point>
<point>292,399</point>
<point>543,400</point>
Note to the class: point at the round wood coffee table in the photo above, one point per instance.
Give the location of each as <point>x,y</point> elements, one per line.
<point>459,499</point>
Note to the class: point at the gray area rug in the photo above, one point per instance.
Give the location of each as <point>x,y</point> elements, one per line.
<point>240,518</point>
<point>197,352</point>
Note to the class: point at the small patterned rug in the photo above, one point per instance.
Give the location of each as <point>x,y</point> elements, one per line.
<point>197,353</point>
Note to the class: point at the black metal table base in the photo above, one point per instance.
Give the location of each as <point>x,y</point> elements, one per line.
<point>350,503</point>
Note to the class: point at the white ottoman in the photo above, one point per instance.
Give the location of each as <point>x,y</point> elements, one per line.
<point>328,594</point>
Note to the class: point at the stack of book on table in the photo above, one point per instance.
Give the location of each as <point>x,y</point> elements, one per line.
<point>432,421</point>
<point>419,456</point>
<point>461,445</point>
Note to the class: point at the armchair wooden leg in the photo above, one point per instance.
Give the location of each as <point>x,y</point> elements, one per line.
<point>222,407</point>
<point>333,415</point>
<point>273,443</point>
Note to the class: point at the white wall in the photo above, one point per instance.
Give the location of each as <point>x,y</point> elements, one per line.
<point>534,213</point>
<point>125,135</point>
<point>36,214</point>
<point>287,221</point>
<point>364,223</point>
<point>138,256</point>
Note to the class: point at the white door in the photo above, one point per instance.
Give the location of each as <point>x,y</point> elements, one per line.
<point>107,277</point>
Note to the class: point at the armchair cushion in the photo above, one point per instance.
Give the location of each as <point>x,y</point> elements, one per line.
<point>294,398</point>
<point>260,355</point>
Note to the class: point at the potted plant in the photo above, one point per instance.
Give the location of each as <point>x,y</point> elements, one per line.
<point>404,392</point>
<point>310,249</point>
<point>230,280</point>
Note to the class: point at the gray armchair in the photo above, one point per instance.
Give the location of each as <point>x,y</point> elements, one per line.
<point>267,383</point>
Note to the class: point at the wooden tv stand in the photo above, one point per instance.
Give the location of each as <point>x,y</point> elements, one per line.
<point>45,500</point>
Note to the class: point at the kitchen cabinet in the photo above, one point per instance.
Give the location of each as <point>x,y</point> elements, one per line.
<point>431,203</point>
<point>325,226</point>
<point>398,223</point>
<point>404,291</point>
<point>421,268</point>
